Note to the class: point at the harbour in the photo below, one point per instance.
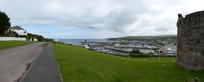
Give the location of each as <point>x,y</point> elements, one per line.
<point>124,48</point>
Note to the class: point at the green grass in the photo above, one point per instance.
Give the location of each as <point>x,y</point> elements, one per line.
<point>81,65</point>
<point>9,44</point>
<point>45,44</point>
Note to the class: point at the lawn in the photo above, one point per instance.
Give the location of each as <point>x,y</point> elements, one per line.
<point>9,44</point>
<point>81,65</point>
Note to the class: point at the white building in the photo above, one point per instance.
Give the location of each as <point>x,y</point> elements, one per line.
<point>86,46</point>
<point>20,31</point>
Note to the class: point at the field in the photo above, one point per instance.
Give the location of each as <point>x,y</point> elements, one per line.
<point>81,65</point>
<point>9,44</point>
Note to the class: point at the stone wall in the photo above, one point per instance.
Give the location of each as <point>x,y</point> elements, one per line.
<point>190,49</point>
<point>13,39</point>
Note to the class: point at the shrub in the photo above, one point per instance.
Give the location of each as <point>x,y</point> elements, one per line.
<point>137,53</point>
<point>28,37</point>
<point>150,54</point>
<point>11,34</point>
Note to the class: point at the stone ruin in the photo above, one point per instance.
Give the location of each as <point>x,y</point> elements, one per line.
<point>190,48</point>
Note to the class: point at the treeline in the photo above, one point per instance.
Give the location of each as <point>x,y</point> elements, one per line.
<point>5,25</point>
<point>31,37</point>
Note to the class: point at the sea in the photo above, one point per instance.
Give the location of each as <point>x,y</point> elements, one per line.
<point>77,41</point>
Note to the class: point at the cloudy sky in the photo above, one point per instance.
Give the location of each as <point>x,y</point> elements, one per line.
<point>98,18</point>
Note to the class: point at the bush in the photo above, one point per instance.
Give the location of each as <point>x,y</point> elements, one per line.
<point>150,54</point>
<point>33,36</point>
<point>137,53</point>
<point>28,37</point>
<point>11,34</point>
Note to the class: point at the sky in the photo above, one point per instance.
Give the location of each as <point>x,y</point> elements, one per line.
<point>80,19</point>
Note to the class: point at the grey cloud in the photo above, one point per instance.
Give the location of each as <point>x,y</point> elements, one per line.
<point>109,17</point>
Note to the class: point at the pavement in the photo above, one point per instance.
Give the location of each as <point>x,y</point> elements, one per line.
<point>14,61</point>
<point>45,68</point>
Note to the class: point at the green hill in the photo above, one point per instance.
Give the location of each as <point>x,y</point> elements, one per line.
<point>161,37</point>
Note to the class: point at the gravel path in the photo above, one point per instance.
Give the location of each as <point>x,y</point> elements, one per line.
<point>14,61</point>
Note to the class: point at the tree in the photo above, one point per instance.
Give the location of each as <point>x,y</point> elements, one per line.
<point>40,38</point>
<point>4,23</point>
<point>28,37</point>
<point>136,51</point>
<point>11,33</point>
<point>34,36</point>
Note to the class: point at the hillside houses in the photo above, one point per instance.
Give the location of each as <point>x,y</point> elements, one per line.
<point>19,31</point>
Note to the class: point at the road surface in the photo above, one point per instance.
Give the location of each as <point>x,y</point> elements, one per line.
<point>45,68</point>
<point>14,61</point>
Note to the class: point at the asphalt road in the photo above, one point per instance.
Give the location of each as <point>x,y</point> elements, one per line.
<point>13,61</point>
<point>45,68</point>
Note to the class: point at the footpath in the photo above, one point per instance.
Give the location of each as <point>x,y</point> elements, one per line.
<point>45,68</point>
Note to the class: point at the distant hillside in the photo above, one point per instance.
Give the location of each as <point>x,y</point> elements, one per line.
<point>161,37</point>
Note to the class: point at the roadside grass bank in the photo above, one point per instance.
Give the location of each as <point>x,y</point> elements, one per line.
<point>81,65</point>
<point>45,44</point>
<point>9,44</point>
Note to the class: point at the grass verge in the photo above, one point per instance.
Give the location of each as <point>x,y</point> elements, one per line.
<point>81,65</point>
<point>45,44</point>
<point>9,44</point>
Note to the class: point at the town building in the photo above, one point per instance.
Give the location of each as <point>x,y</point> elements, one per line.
<point>20,31</point>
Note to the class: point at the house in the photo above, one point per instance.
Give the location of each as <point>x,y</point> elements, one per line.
<point>170,52</point>
<point>20,31</point>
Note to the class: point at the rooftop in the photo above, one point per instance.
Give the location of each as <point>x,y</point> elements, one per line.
<point>17,28</point>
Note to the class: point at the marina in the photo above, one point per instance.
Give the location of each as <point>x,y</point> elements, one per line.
<point>124,48</point>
